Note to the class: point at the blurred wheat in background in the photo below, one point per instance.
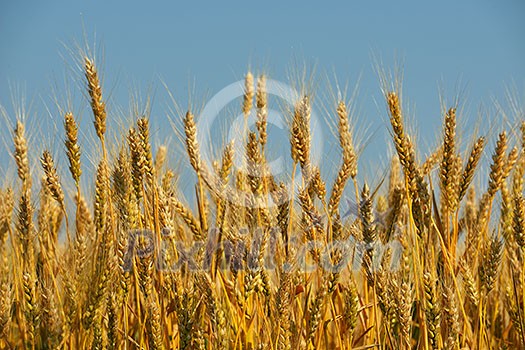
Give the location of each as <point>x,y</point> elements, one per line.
<point>423,261</point>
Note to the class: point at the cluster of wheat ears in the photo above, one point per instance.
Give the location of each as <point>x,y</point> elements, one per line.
<point>129,274</point>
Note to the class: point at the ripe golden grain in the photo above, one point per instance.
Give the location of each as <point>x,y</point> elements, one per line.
<point>144,271</point>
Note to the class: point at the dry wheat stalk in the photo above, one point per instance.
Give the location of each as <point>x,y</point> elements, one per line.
<point>349,165</point>
<point>84,229</point>
<point>448,175</point>
<point>315,311</point>
<point>188,218</point>
<point>518,228</point>
<point>451,317</point>
<point>137,160</point>
<point>261,101</point>
<point>6,299</point>
<point>227,162</point>
<point>128,216</point>
<point>51,176</point>
<point>519,173</point>
<point>215,314</point>
<point>300,135</point>
<point>351,308</point>
<point>417,187</point>
<point>318,185</point>
<point>404,311</point>
<point>44,224</point>
<point>95,93</point>
<point>30,308</point>
<point>470,167</point>
<point>49,318</point>
<point>147,163</point>
<point>101,199</point>
<point>254,165</point>
<point>25,232</point>
<point>497,167</point>
<point>154,326</point>
<point>403,145</point>
<point>366,216</point>
<point>112,331</point>
<point>489,267</point>
<point>512,158</point>
<point>346,139</point>
<point>192,145</point>
<point>108,289</point>
<point>248,94</point>
<point>282,306</point>
<point>432,310</point>
<point>72,147</point>
<point>516,314</point>
<point>21,157</point>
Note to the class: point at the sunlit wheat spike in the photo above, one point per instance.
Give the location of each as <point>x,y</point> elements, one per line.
<point>254,164</point>
<point>489,267</point>
<point>366,216</point>
<point>261,102</point>
<point>98,106</point>
<point>403,144</point>
<point>498,164</point>
<point>318,184</point>
<point>101,198</point>
<point>432,310</point>
<point>72,147</point>
<point>519,220</point>
<point>192,145</point>
<point>346,140</point>
<point>137,159</point>
<point>51,176</point>
<point>349,164</point>
<point>448,168</point>
<point>188,218</point>
<point>6,300</point>
<point>21,157</point>
<point>351,307</point>
<point>227,161</point>
<point>451,316</point>
<point>154,326</point>
<point>249,92</point>
<point>314,312</point>
<point>421,263</point>
<point>510,162</point>
<point>147,163</point>
<point>470,167</point>
<point>300,135</point>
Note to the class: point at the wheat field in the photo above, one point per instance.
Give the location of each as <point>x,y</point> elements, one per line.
<point>425,261</point>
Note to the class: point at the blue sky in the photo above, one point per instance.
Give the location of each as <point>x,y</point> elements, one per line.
<point>474,47</point>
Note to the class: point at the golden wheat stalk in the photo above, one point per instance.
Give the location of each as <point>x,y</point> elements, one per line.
<point>51,176</point>
<point>349,165</point>
<point>261,102</point>
<point>98,106</point>
<point>21,157</point>
<point>470,167</point>
<point>72,147</point>
<point>448,174</point>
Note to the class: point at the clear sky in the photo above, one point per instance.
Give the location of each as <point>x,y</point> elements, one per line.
<point>474,47</point>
